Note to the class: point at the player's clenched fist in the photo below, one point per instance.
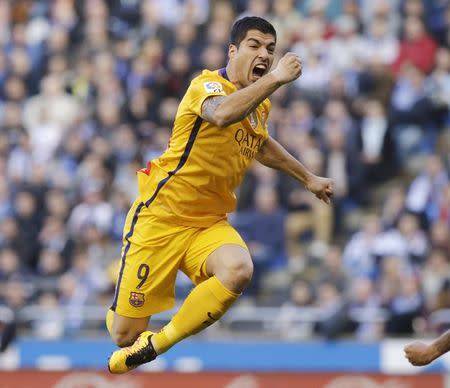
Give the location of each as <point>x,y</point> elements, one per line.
<point>288,69</point>
<point>420,354</point>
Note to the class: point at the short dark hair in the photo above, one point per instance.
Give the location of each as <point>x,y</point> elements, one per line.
<point>242,26</point>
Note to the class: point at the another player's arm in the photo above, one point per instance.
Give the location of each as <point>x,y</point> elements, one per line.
<point>225,110</point>
<point>419,354</point>
<point>272,154</point>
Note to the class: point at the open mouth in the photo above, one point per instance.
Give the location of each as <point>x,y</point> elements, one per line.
<point>259,70</point>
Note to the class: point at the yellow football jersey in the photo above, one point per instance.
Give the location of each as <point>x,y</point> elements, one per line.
<point>193,182</point>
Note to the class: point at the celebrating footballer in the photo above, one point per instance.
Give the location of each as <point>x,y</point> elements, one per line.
<point>179,220</point>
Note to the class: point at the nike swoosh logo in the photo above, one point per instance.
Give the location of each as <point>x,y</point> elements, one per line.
<point>211,317</point>
<point>211,321</point>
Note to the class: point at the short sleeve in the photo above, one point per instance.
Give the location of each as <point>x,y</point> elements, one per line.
<point>200,89</point>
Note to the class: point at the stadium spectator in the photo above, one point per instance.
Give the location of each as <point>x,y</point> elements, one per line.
<point>301,295</point>
<point>346,46</point>
<point>358,255</point>
<point>377,144</point>
<point>438,84</point>
<point>406,305</point>
<point>382,9</point>
<point>433,275</point>
<point>5,203</point>
<point>426,190</point>
<point>343,162</point>
<point>312,48</point>
<point>28,224</point>
<point>93,210</point>
<point>334,319</point>
<point>364,301</point>
<point>286,19</point>
<point>307,215</point>
<point>332,269</point>
<point>405,241</point>
<point>439,233</point>
<point>416,48</point>
<point>263,229</point>
<point>50,267</point>
<point>49,325</point>
<point>380,45</point>
<point>394,207</point>
<point>411,110</point>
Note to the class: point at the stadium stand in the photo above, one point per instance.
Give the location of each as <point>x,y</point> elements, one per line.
<point>88,92</point>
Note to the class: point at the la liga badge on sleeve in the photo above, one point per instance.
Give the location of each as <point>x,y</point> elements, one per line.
<point>213,87</point>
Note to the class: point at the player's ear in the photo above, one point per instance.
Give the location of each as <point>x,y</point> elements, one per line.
<point>232,51</point>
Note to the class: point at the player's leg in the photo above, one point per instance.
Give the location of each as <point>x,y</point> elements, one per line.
<point>129,333</point>
<point>150,261</point>
<point>232,265</point>
<point>125,330</point>
<point>125,325</point>
<point>220,264</point>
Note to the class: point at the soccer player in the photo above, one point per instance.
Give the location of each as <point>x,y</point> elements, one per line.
<point>420,354</point>
<point>179,220</point>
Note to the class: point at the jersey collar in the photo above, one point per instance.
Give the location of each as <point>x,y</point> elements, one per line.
<point>223,73</point>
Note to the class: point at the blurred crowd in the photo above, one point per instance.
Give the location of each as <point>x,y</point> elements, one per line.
<point>88,93</point>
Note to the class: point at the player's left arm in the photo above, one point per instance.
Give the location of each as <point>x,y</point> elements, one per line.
<point>272,154</point>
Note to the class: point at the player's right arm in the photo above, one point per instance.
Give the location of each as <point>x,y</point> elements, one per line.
<point>225,110</point>
<point>419,354</point>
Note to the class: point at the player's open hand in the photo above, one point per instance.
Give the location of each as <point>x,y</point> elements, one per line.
<point>419,354</point>
<point>322,188</point>
<point>288,69</point>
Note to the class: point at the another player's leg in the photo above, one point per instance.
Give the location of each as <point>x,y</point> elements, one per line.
<point>230,269</point>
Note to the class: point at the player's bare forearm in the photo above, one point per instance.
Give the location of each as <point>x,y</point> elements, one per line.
<point>226,110</point>
<point>442,344</point>
<point>272,154</point>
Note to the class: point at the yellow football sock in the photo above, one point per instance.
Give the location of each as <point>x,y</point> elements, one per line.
<point>109,320</point>
<point>206,303</point>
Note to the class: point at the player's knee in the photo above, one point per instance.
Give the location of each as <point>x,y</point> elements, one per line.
<point>123,338</point>
<point>238,273</point>
<point>232,265</point>
<point>244,272</point>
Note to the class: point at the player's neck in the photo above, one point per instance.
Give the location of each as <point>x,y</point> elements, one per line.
<point>230,71</point>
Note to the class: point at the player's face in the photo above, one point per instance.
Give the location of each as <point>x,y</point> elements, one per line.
<point>254,56</point>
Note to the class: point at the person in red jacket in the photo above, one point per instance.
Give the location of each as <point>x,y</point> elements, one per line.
<point>417,47</point>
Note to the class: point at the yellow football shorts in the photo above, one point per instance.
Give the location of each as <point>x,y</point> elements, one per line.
<point>152,253</point>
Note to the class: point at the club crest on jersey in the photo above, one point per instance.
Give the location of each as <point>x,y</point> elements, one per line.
<point>213,87</point>
<point>253,119</point>
<point>136,299</point>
